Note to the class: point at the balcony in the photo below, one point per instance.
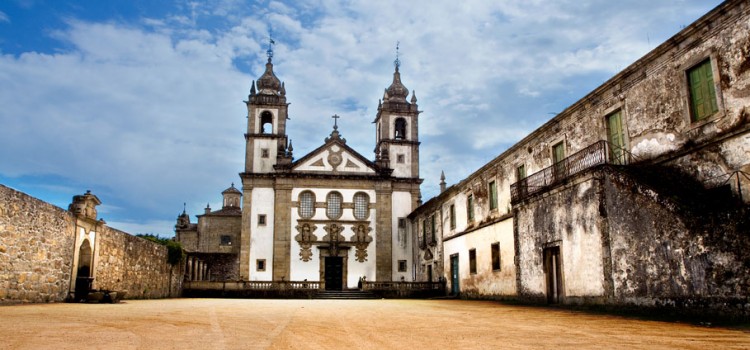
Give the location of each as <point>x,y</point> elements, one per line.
<point>591,156</point>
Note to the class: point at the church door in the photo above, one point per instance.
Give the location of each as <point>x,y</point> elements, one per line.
<point>334,272</point>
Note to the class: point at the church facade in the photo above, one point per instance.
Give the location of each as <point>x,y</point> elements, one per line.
<point>332,215</point>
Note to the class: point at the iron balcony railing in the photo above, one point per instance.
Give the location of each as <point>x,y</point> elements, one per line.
<point>591,156</point>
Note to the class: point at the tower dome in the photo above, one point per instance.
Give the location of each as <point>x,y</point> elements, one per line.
<point>268,83</point>
<point>397,91</point>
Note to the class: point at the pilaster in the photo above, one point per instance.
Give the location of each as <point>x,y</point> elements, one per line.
<point>384,234</point>
<point>282,234</point>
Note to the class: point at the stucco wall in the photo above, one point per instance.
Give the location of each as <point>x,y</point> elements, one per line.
<point>568,217</point>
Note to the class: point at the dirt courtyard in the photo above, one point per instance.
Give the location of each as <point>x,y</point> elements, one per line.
<point>340,324</point>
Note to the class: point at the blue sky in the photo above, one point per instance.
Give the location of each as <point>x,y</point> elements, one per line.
<point>140,101</point>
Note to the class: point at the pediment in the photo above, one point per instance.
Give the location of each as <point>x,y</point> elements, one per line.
<point>334,157</point>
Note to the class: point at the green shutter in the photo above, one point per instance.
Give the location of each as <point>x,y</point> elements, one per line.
<point>702,91</point>
<point>493,195</point>
<point>616,138</point>
<point>521,172</point>
<point>558,152</point>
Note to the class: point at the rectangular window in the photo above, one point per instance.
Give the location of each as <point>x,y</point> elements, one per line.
<point>424,230</point>
<point>558,152</point>
<point>495,256</point>
<point>520,172</point>
<point>470,208</point>
<point>401,223</point>
<point>226,240</point>
<point>402,266</point>
<point>453,216</point>
<point>261,219</point>
<point>472,261</point>
<point>400,159</point>
<point>264,152</point>
<point>702,91</point>
<point>260,265</point>
<point>616,138</point>
<point>493,195</point>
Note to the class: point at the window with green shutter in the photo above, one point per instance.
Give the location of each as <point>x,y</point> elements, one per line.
<point>702,92</point>
<point>493,195</point>
<point>470,208</point>
<point>616,138</point>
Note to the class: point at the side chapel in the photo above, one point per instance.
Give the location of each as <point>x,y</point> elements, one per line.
<point>332,215</point>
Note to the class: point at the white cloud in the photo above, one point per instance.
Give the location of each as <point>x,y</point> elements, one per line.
<point>4,17</point>
<point>151,115</point>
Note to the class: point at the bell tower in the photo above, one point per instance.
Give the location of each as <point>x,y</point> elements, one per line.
<point>267,143</point>
<point>397,129</point>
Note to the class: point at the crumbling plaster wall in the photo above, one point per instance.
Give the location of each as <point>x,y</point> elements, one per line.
<point>665,255</point>
<point>568,217</point>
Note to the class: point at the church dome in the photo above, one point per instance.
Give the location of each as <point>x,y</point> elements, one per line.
<point>397,90</point>
<point>231,189</point>
<point>268,83</point>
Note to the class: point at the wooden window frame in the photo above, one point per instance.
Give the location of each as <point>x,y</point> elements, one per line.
<point>492,192</point>
<point>473,261</point>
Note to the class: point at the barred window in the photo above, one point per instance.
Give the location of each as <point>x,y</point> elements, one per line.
<point>361,205</point>
<point>333,205</point>
<point>306,204</point>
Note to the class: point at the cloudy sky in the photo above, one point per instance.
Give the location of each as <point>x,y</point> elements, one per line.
<point>140,101</point>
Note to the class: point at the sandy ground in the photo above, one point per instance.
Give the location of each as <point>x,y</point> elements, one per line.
<point>338,324</point>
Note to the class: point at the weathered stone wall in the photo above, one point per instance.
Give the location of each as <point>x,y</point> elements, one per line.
<point>664,255</point>
<point>569,218</point>
<point>37,254</point>
<point>36,249</point>
<point>139,266</point>
<point>212,227</point>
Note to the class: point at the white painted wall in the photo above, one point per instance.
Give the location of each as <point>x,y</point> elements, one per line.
<point>264,165</point>
<point>401,207</point>
<point>400,169</point>
<point>261,237</point>
<point>310,270</point>
<point>486,281</point>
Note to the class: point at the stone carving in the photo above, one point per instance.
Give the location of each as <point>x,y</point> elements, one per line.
<point>361,240</point>
<point>305,238</point>
<point>334,238</point>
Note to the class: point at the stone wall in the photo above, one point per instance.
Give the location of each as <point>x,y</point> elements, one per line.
<point>37,255</point>
<point>139,266</point>
<point>36,249</point>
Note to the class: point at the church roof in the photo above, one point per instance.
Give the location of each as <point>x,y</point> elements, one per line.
<point>226,211</point>
<point>231,189</point>
<point>397,91</point>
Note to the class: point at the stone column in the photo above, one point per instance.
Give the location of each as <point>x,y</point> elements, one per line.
<point>384,232</point>
<point>282,234</point>
<point>246,231</point>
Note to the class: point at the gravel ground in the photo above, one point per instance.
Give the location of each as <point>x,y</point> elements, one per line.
<point>340,324</point>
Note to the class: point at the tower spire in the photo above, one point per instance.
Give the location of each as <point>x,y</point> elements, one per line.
<point>397,62</point>
<point>269,52</point>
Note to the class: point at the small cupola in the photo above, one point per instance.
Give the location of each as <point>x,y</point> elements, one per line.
<point>231,197</point>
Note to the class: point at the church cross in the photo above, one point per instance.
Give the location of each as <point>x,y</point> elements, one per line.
<point>335,121</point>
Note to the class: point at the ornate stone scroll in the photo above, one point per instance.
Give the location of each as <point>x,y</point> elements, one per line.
<point>305,238</point>
<point>361,240</point>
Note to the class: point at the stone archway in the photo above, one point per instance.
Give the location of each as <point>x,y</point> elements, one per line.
<point>83,271</point>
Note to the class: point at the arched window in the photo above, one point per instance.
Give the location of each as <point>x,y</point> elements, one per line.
<point>333,205</point>
<point>361,206</point>
<point>400,128</point>
<point>306,204</point>
<point>266,122</point>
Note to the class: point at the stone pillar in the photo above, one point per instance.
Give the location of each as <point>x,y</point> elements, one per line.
<point>282,234</point>
<point>246,231</point>
<point>384,232</point>
<point>190,268</point>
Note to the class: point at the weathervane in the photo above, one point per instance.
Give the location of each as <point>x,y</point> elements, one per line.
<point>269,52</point>
<point>397,63</point>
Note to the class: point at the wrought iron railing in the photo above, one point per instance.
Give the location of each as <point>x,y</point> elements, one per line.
<point>593,155</point>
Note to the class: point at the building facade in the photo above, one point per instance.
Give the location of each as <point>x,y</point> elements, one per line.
<point>635,195</point>
<point>331,216</point>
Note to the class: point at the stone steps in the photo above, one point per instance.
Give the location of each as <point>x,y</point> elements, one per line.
<point>344,294</point>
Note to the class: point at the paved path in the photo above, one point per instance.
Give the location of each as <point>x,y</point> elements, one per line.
<point>335,324</point>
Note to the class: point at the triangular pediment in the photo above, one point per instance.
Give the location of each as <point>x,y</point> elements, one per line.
<point>334,157</point>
